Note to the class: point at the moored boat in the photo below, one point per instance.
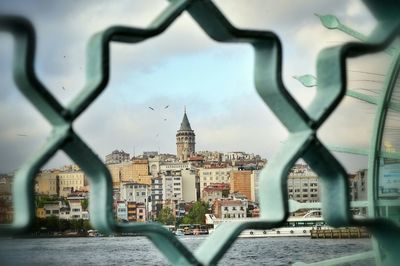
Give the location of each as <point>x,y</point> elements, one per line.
<point>293,227</point>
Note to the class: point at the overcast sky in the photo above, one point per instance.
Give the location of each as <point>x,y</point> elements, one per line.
<point>182,67</point>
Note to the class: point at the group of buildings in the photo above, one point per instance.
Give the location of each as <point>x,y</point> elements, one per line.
<point>145,184</point>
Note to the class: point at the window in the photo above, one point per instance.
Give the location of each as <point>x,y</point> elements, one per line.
<point>143,193</point>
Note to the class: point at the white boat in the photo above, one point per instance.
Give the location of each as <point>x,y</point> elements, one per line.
<point>294,227</point>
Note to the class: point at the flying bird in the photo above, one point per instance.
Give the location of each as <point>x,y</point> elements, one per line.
<point>22,135</point>
<point>151,108</point>
<point>63,88</point>
<point>165,119</point>
<point>166,107</point>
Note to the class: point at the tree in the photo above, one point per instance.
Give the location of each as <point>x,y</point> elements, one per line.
<point>196,214</point>
<point>85,204</point>
<point>225,193</point>
<point>86,225</point>
<point>52,223</point>
<point>165,216</point>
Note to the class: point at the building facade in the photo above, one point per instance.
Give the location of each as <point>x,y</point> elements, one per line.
<point>117,157</point>
<point>215,191</point>
<point>135,192</point>
<point>303,184</point>
<point>241,182</point>
<point>211,175</point>
<point>172,185</point>
<point>48,183</point>
<point>230,209</point>
<point>189,191</point>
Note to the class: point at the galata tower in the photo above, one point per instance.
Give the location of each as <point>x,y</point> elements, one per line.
<point>185,140</point>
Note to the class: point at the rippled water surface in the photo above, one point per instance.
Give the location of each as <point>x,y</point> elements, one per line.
<point>140,251</point>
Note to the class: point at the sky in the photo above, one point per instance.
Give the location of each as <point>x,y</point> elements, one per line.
<point>182,67</point>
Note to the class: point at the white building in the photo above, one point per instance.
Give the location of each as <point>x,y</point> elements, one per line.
<point>135,192</point>
<point>189,191</point>
<point>254,179</point>
<point>52,208</point>
<point>172,185</point>
<point>303,184</point>
<point>230,209</point>
<point>237,155</point>
<point>76,209</point>
<point>174,166</point>
<point>154,165</point>
<point>65,213</point>
<point>122,211</point>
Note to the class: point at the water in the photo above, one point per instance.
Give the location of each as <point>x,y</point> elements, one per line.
<point>140,251</point>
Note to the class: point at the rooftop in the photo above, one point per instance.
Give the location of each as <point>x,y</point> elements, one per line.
<point>185,125</point>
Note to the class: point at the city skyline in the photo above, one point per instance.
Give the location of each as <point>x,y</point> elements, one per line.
<point>225,110</point>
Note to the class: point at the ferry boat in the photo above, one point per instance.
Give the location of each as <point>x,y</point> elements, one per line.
<point>293,227</point>
<point>192,229</point>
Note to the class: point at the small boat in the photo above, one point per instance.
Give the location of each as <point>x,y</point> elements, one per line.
<point>179,232</point>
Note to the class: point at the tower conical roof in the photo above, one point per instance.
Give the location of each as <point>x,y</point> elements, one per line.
<point>185,125</point>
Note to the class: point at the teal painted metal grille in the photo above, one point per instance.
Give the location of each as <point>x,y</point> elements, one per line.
<point>302,124</point>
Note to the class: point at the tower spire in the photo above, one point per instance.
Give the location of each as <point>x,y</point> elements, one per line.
<point>185,125</point>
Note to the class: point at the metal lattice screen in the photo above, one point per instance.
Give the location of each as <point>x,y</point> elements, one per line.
<point>302,124</point>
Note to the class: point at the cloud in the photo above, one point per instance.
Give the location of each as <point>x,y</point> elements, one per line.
<point>180,67</point>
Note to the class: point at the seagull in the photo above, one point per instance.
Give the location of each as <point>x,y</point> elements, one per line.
<point>166,107</point>
<point>151,108</point>
<point>165,119</point>
<point>22,135</point>
<point>63,88</point>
